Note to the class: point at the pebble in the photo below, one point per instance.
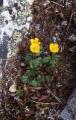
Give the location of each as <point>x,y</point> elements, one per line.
<point>64,23</point>
<point>12,88</point>
<point>72,38</point>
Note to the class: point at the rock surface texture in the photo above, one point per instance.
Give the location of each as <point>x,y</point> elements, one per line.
<point>69,113</point>
<point>15,19</point>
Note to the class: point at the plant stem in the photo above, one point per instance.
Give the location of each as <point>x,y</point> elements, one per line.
<point>54,95</point>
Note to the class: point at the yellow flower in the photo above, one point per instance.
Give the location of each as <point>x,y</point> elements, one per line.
<point>36,40</point>
<point>35,46</point>
<point>54,47</point>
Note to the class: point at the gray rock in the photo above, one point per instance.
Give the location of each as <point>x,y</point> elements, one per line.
<point>3,47</point>
<point>69,112</point>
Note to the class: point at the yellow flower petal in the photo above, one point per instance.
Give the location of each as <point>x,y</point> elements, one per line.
<point>35,48</point>
<point>54,47</point>
<point>32,41</point>
<point>36,40</point>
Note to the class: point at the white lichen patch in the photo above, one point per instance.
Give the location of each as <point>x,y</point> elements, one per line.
<point>5,3</point>
<point>15,16</point>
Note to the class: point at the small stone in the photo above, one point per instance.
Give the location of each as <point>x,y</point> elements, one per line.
<point>56,11</point>
<point>29,18</point>
<point>72,38</point>
<point>37,27</point>
<point>68,4</point>
<point>64,23</point>
<point>22,64</point>
<point>12,88</point>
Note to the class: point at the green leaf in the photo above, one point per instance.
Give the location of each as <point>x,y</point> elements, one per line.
<point>40,78</point>
<point>30,73</point>
<point>54,60</point>
<point>25,78</point>
<point>46,60</point>
<point>35,62</point>
<point>49,78</point>
<point>28,57</point>
<point>54,63</point>
<point>35,83</point>
<point>55,57</point>
<point>31,64</point>
<point>19,92</point>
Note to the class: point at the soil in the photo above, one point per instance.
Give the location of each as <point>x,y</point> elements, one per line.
<point>53,18</point>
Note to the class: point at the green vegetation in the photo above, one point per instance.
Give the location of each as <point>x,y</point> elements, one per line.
<point>39,68</point>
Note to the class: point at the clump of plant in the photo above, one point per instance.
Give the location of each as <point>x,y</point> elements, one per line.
<point>39,64</point>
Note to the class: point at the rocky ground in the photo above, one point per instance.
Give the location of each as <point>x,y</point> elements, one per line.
<point>15,20</point>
